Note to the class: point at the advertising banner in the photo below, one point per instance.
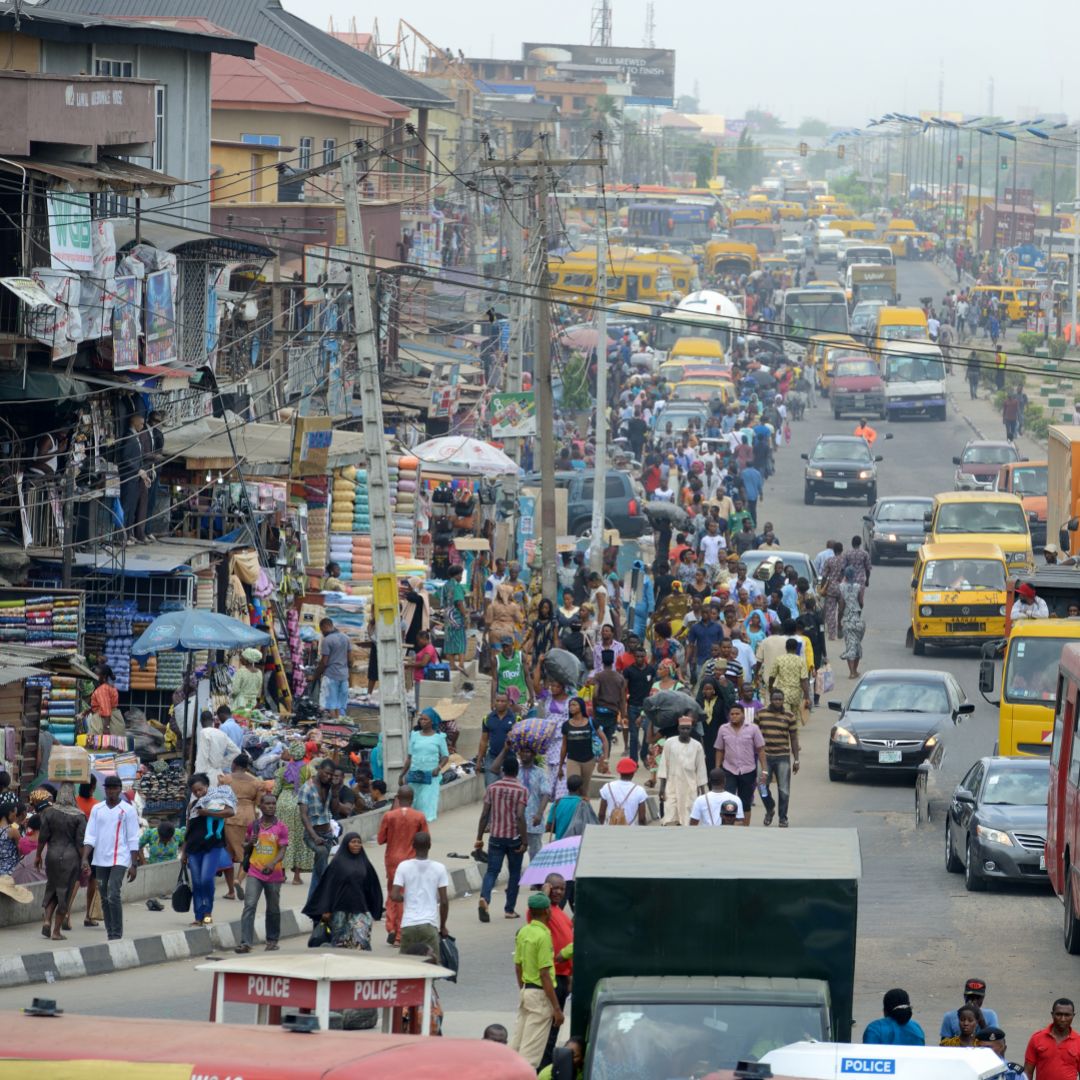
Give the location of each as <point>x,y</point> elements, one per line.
<point>71,243</point>
<point>160,318</point>
<point>513,415</point>
<point>650,72</point>
<point>125,324</point>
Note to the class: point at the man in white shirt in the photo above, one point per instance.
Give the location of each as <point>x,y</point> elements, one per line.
<point>745,657</point>
<point>111,846</point>
<point>823,556</point>
<point>717,806</point>
<point>495,579</point>
<point>422,884</point>
<point>622,802</point>
<point>711,546</point>
<point>216,751</point>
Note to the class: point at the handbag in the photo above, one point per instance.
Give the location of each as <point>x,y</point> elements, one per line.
<point>449,956</point>
<point>320,935</point>
<point>181,894</point>
<point>418,776</point>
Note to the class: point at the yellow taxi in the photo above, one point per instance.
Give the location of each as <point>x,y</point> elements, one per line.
<point>983,517</point>
<point>957,594</point>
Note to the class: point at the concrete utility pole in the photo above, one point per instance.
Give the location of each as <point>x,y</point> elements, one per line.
<point>1076,240</point>
<point>596,544</point>
<point>545,405</point>
<point>393,711</point>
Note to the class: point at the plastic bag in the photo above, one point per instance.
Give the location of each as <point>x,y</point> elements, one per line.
<point>666,706</point>
<point>449,956</point>
<point>583,815</point>
<point>564,667</point>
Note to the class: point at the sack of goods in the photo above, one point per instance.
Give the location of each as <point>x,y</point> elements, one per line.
<point>564,667</point>
<point>666,706</point>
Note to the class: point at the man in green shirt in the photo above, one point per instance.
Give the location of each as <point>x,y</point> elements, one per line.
<point>510,674</point>
<point>534,963</point>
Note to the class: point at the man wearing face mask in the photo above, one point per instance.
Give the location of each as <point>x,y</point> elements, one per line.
<point>682,774</point>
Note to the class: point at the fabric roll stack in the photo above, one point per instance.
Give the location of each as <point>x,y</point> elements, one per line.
<point>317,502</point>
<point>144,675</point>
<point>39,621</point>
<point>119,616</point>
<point>170,670</point>
<point>66,623</point>
<point>59,715</point>
<point>408,483</point>
<point>13,621</point>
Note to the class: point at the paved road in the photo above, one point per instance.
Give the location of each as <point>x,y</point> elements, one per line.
<point>919,928</point>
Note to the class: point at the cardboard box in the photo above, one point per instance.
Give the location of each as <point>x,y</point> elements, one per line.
<point>69,765</point>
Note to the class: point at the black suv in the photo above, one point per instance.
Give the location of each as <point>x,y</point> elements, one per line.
<point>843,467</point>
<point>623,506</point>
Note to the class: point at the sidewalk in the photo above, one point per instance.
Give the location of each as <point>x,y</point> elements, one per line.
<point>981,416</point>
<point>163,936</point>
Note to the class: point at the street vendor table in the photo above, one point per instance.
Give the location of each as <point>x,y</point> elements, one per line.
<point>322,981</point>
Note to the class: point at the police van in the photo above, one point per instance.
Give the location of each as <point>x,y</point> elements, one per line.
<point>847,1061</point>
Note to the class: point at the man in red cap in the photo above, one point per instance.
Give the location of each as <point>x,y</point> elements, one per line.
<point>622,802</point>
<point>1028,605</point>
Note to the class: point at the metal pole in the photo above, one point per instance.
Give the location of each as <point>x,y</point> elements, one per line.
<point>1016,181</point>
<point>596,544</point>
<point>545,406</point>
<point>393,710</point>
<point>997,183</point>
<point>967,194</point>
<point>1076,240</point>
<point>1050,241</point>
<point>978,198</point>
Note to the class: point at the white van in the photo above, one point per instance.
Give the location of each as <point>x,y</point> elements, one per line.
<point>828,244</point>
<point>844,1061</point>
<point>914,374</point>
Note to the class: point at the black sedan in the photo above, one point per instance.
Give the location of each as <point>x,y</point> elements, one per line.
<point>996,825</point>
<point>841,467</point>
<point>894,721</point>
<point>895,529</point>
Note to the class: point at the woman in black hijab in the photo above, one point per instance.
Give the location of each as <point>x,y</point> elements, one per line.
<point>349,897</point>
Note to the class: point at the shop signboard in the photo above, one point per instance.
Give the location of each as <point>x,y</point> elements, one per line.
<point>650,73</point>
<point>160,318</point>
<point>125,323</point>
<point>71,244</point>
<point>513,415</point>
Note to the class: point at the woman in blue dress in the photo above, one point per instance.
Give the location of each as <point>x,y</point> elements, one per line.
<point>428,753</point>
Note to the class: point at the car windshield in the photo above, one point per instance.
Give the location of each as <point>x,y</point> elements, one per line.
<point>988,455</point>
<point>897,332</point>
<point>853,450</point>
<point>964,574</point>
<point>899,696</point>
<point>902,511</point>
<point>800,563</point>
<point>851,368</point>
<point>1031,668</point>
<point>827,318</point>
<point>1017,786</point>
<point>981,517</point>
<point>691,1038</point>
<point>914,369</point>
<point>1030,480</point>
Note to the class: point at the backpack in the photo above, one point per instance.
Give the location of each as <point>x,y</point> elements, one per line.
<point>618,814</point>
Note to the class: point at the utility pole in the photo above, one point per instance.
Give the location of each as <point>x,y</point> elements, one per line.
<point>545,404</point>
<point>596,545</point>
<point>393,710</point>
<point>1076,240</point>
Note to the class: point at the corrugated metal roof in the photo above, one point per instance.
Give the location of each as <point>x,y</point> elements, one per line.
<point>268,23</point>
<point>14,673</point>
<point>108,175</point>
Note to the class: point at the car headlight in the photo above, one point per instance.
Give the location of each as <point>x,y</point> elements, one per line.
<point>993,836</point>
<point>925,611</point>
<point>931,742</point>
<point>1018,556</point>
<point>1001,610</point>
<point>865,474</point>
<point>814,474</point>
<point>888,536</point>
<point>842,735</point>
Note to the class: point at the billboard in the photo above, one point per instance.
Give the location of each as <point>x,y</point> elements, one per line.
<point>649,72</point>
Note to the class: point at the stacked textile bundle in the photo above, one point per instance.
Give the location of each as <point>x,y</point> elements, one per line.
<point>39,621</point>
<point>144,676</point>
<point>65,623</point>
<point>119,639</point>
<point>170,670</point>
<point>13,621</point>
<point>63,704</point>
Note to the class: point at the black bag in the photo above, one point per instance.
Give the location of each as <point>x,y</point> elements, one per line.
<point>320,935</point>
<point>181,894</point>
<point>449,956</point>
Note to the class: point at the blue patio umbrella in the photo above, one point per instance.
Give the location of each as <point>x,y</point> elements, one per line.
<point>192,630</point>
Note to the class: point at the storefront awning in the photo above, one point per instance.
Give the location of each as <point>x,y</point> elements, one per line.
<point>109,175</point>
<point>186,242</point>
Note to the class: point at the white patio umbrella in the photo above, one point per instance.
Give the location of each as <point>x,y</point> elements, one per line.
<point>460,454</point>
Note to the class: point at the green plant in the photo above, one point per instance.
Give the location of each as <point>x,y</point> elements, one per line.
<point>1033,413</point>
<point>1058,346</point>
<point>999,400</point>
<point>576,395</point>
<point>1029,342</point>
<point>1037,428</point>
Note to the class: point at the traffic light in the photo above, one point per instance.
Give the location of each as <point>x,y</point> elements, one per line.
<point>803,149</point>
<point>959,161</point>
<point>1004,162</point>
<point>840,151</point>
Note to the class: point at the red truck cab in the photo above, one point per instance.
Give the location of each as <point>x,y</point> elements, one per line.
<point>857,387</point>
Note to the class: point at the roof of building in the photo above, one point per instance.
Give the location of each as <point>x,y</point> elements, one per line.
<point>276,82</point>
<point>86,22</point>
<point>510,109</point>
<point>268,23</point>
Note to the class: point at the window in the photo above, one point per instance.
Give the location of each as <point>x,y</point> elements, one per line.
<point>115,69</point>
<point>159,128</point>
<point>329,151</point>
<point>261,140</point>
<point>304,161</point>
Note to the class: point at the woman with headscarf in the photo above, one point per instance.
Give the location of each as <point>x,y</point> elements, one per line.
<point>505,616</point>
<point>247,682</point>
<point>291,775</point>
<point>543,636</point>
<point>829,587</point>
<point>60,841</point>
<point>422,771</point>
<point>455,618</point>
<point>9,832</point>
<point>349,897</point>
<point>105,716</point>
<point>852,625</point>
<point>247,788</point>
<point>415,610</point>
<point>204,851</point>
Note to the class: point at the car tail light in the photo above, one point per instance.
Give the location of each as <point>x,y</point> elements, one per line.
<point>631,508</point>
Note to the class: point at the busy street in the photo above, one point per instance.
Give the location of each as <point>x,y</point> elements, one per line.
<point>506,572</point>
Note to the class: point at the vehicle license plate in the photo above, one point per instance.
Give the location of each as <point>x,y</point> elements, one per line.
<point>1042,862</point>
<point>839,484</point>
<point>889,757</point>
<point>914,547</point>
<point>963,627</point>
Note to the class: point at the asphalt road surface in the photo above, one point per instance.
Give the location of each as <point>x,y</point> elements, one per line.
<point>918,927</point>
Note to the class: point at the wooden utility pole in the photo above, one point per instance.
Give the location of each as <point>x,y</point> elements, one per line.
<point>393,709</point>
<point>599,506</point>
<point>545,404</point>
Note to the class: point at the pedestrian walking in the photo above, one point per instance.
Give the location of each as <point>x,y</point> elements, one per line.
<point>1000,361</point>
<point>780,730</point>
<point>493,732</point>
<point>265,846</point>
<point>316,815</point>
<point>427,757</point>
<point>421,888</point>
<point>973,374</point>
<point>852,595</point>
<point>562,942</point>
<point>534,966</point>
<point>204,851</point>
<point>829,587</point>
<point>398,829</point>
<point>504,814</point>
<point>895,1026</point>
<point>111,847</point>
<point>682,774</point>
<point>716,807</point>
<point>974,994</point>
<point>740,752</point>
<point>349,898</point>
<point>1054,1052</point>
<point>1010,413</point>
<point>969,1020</point>
<point>993,1037</point>
<point>623,802</point>
<point>61,839</point>
<point>534,777</point>
<point>789,673</point>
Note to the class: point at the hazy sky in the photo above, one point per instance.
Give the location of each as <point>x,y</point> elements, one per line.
<point>842,62</point>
